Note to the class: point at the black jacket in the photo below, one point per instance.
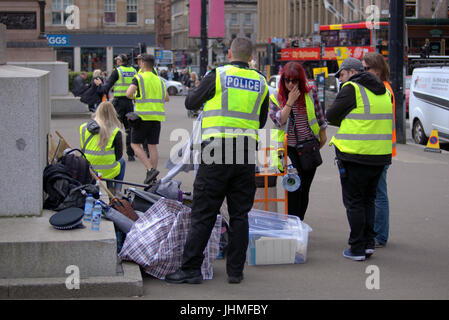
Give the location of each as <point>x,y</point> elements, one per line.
<point>78,86</point>
<point>344,103</point>
<point>92,95</point>
<point>94,128</point>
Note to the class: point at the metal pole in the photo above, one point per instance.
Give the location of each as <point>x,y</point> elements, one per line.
<point>203,53</point>
<point>396,61</point>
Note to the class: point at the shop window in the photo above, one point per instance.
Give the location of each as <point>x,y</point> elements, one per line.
<point>58,15</point>
<point>65,55</point>
<point>109,11</point>
<point>131,11</point>
<point>93,58</point>
<point>411,9</point>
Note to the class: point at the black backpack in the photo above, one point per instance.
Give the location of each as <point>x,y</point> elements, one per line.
<point>77,166</point>
<point>58,183</point>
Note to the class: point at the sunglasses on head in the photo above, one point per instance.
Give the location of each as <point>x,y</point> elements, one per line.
<point>366,68</point>
<point>294,81</point>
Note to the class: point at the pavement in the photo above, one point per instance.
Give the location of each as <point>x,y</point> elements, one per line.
<point>413,265</point>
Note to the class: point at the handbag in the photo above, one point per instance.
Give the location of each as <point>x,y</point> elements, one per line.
<point>308,150</point>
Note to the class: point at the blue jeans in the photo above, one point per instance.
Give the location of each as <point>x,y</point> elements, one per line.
<point>120,176</point>
<point>381,222</point>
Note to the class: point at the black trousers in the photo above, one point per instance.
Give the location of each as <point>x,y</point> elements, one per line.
<point>212,184</point>
<point>298,201</point>
<point>122,106</point>
<point>359,192</point>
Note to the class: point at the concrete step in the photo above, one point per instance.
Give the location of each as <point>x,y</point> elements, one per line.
<point>37,261</point>
<point>67,104</point>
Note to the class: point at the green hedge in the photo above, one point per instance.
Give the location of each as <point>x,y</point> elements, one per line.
<point>72,76</point>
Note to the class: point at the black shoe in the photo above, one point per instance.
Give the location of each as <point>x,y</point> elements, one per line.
<point>235,279</point>
<point>131,158</point>
<point>183,276</point>
<point>151,175</point>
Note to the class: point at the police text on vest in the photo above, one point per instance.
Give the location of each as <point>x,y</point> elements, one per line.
<point>242,83</point>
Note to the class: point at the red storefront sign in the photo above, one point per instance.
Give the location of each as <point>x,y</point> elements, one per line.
<point>332,53</point>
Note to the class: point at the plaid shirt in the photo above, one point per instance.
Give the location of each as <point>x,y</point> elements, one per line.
<point>156,240</point>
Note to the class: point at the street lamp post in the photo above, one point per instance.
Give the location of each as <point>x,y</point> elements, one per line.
<point>42,18</point>
<point>204,52</point>
<point>396,60</point>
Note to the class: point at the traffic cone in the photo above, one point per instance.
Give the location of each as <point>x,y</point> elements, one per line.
<point>433,145</point>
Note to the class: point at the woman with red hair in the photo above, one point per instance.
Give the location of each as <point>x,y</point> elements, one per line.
<point>298,101</point>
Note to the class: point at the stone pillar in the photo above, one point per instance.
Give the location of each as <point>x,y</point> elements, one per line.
<point>25,110</point>
<point>109,59</point>
<point>77,59</point>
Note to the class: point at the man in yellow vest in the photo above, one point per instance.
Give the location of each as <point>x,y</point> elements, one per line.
<point>119,81</point>
<point>363,110</point>
<point>236,106</point>
<point>150,94</point>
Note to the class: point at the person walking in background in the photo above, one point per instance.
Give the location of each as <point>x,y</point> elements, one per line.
<point>236,106</point>
<point>119,81</point>
<point>363,111</point>
<point>375,63</point>
<point>94,93</point>
<point>192,80</point>
<point>79,84</point>
<point>299,102</point>
<point>101,142</point>
<point>150,94</point>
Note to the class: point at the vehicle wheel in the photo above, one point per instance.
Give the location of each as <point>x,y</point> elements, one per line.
<point>418,133</point>
<point>172,91</point>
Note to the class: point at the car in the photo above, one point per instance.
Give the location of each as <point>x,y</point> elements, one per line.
<point>174,87</point>
<point>429,103</point>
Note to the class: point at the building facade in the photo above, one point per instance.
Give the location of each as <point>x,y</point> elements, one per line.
<point>88,34</point>
<point>286,21</point>
<point>25,31</point>
<point>163,24</point>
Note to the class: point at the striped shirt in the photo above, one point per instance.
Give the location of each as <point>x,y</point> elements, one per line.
<point>300,112</point>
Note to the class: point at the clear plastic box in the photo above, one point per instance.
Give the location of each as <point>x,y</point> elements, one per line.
<point>276,238</point>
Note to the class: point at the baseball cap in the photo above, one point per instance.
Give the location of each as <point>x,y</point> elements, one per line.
<point>348,64</point>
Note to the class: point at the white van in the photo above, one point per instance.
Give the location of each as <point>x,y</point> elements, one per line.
<point>429,103</point>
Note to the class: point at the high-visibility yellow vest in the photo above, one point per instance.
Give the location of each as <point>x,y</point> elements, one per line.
<point>368,128</point>
<point>150,104</point>
<point>234,110</point>
<point>101,159</point>
<point>125,79</point>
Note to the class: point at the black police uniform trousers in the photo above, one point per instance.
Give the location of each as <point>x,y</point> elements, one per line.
<point>122,106</point>
<point>359,192</point>
<point>214,183</point>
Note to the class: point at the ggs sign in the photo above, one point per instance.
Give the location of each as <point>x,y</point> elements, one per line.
<point>58,40</point>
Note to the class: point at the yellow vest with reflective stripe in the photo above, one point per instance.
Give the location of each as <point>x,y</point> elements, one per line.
<point>101,159</point>
<point>234,110</point>
<point>368,128</point>
<point>125,78</point>
<point>150,104</point>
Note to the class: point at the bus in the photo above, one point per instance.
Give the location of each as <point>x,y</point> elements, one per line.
<point>341,41</point>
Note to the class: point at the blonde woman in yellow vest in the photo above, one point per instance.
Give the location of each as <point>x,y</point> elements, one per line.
<point>363,146</point>
<point>101,141</point>
<point>296,97</point>
<point>150,94</point>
